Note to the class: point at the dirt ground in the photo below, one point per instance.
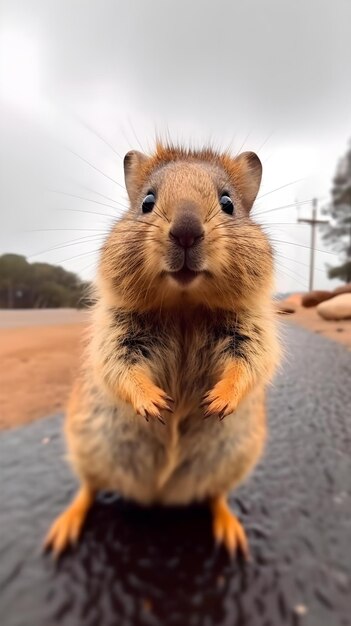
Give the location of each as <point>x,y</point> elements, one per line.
<point>39,356</point>
<point>309,318</point>
<point>38,364</point>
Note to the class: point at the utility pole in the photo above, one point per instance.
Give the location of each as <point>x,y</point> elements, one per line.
<point>313,222</point>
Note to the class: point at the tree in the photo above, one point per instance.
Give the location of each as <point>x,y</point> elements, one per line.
<point>39,285</point>
<point>14,276</point>
<point>338,232</point>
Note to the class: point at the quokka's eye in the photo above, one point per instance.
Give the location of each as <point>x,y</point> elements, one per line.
<point>148,203</point>
<point>227,204</point>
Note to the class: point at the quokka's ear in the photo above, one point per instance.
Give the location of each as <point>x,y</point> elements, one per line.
<point>133,163</point>
<point>248,172</point>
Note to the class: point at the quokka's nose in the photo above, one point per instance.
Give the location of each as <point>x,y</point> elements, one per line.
<point>187,230</point>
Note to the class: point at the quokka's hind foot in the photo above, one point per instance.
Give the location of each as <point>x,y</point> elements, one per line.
<point>227,529</point>
<point>66,529</point>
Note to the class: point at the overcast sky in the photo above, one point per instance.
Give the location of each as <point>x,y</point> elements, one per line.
<point>88,80</point>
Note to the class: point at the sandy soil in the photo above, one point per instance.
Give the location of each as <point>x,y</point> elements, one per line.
<point>309,318</point>
<point>41,317</point>
<point>37,368</point>
<point>39,356</point>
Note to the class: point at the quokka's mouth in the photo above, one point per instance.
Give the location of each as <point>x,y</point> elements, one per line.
<point>185,276</point>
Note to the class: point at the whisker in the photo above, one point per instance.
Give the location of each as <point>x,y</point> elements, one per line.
<point>86,267</point>
<point>66,244</point>
<point>298,262</point>
<point>294,182</point>
<point>72,195</point>
<point>291,270</point>
<point>103,196</point>
<point>300,245</point>
<point>94,132</point>
<point>303,284</point>
<point>139,221</point>
<point>249,238</point>
<point>54,230</point>
<point>162,211</point>
<point>95,168</point>
<point>282,224</point>
<point>212,212</point>
<point>90,212</point>
<point>244,142</point>
<point>284,206</point>
<point>79,256</point>
<point>160,215</point>
<point>266,141</point>
<point>135,135</point>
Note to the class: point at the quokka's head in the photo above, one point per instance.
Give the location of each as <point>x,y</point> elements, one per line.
<point>188,237</point>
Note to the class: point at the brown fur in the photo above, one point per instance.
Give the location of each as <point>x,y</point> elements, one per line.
<point>159,349</point>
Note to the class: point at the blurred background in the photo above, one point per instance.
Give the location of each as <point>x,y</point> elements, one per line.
<point>81,83</point>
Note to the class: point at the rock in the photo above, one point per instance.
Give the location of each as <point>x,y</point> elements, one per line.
<point>289,304</point>
<point>284,310</point>
<point>343,289</point>
<point>338,308</point>
<point>293,300</point>
<point>315,297</point>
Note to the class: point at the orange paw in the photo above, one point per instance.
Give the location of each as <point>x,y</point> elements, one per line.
<point>150,401</point>
<point>227,529</point>
<point>67,527</point>
<point>221,400</point>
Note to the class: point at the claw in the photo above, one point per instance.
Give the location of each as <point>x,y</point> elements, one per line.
<point>163,407</point>
<point>152,401</point>
<point>223,413</point>
<point>148,415</point>
<point>216,403</point>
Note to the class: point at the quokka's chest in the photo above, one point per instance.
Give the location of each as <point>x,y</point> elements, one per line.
<point>190,360</point>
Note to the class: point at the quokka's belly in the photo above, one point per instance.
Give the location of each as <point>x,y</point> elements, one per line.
<point>216,456</point>
<point>114,449</point>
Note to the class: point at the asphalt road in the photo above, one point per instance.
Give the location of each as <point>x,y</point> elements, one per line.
<point>160,568</point>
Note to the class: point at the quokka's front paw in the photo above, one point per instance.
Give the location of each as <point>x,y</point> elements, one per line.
<point>220,400</point>
<point>150,400</point>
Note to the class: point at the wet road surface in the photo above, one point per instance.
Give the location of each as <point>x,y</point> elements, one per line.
<point>160,568</point>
